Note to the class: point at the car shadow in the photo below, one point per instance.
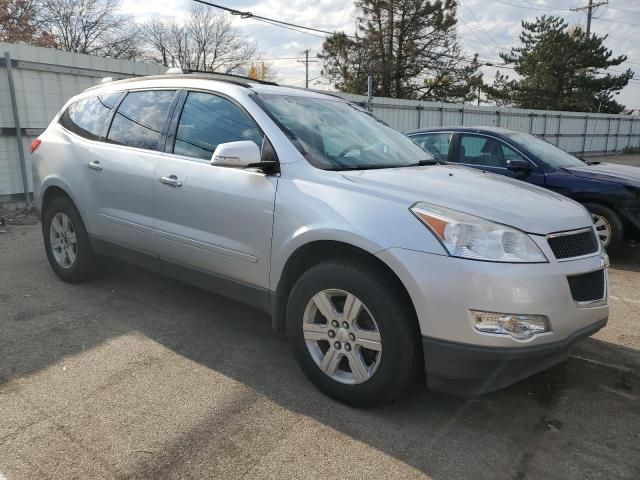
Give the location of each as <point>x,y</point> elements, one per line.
<point>627,258</point>
<point>550,425</point>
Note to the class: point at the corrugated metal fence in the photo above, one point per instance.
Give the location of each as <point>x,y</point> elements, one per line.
<point>575,132</point>
<point>44,79</point>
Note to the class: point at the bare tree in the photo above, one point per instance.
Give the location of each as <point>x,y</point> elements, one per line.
<point>206,41</point>
<point>19,23</point>
<point>91,26</point>
<point>156,37</point>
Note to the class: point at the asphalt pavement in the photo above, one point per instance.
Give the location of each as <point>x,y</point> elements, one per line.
<point>138,376</point>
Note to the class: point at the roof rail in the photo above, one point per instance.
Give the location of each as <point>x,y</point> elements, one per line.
<point>220,75</point>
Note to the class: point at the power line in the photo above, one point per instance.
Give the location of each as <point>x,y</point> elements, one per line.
<point>619,21</point>
<point>532,8</point>
<point>635,12</point>
<point>301,29</point>
<point>545,7</point>
<point>250,15</point>
<point>276,24</point>
<point>486,32</point>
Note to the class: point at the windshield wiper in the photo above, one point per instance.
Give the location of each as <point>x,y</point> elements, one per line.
<point>421,163</point>
<point>371,166</point>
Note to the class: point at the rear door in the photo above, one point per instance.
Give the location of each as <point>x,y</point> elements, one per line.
<point>491,154</point>
<point>120,173</point>
<point>217,220</point>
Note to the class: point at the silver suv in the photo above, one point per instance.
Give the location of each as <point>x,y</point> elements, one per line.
<point>378,262</point>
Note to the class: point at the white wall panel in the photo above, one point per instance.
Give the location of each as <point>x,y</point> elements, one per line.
<point>40,95</point>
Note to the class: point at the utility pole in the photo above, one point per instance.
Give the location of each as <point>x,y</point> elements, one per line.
<point>306,62</point>
<point>590,9</point>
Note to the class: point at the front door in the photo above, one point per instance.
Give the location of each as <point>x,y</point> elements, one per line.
<point>491,154</point>
<point>216,220</point>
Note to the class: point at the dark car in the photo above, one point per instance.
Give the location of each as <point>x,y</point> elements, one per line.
<point>610,192</point>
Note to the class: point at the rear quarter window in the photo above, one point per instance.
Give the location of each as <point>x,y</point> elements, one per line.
<point>87,117</point>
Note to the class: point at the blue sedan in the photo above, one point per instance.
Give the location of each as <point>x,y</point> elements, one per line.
<point>610,192</point>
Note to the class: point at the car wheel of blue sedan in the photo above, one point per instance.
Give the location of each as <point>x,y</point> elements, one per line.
<point>608,226</point>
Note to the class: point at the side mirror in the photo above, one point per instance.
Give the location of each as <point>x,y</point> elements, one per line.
<point>520,167</point>
<point>236,154</point>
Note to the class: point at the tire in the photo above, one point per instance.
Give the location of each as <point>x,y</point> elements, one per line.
<point>386,314</point>
<point>606,219</point>
<point>79,264</point>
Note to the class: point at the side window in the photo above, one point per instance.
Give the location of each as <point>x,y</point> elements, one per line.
<point>509,153</point>
<point>86,117</point>
<point>479,150</point>
<point>139,119</point>
<point>208,120</point>
<point>436,144</point>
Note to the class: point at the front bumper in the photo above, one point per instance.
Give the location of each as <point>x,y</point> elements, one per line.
<point>445,289</point>
<point>470,369</point>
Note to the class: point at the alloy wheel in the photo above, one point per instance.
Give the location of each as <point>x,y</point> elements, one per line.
<point>63,240</point>
<point>603,228</point>
<point>342,336</point>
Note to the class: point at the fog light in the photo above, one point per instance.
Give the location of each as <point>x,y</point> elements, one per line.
<point>519,327</point>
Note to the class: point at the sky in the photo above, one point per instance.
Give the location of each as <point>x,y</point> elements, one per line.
<point>485,27</point>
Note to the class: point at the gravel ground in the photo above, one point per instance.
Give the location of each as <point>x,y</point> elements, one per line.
<point>138,376</point>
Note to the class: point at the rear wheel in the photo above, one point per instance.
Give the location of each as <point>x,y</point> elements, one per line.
<point>353,333</point>
<point>608,225</point>
<point>67,243</point>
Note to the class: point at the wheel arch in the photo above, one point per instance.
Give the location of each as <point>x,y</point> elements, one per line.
<point>317,251</point>
<point>53,188</point>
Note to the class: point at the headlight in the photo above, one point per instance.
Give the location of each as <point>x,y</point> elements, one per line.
<point>466,236</point>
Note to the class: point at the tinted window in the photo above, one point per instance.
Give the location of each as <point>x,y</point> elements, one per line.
<point>509,153</point>
<point>544,151</point>
<point>478,150</point>
<point>87,116</point>
<point>207,121</point>
<point>139,119</point>
<point>435,143</point>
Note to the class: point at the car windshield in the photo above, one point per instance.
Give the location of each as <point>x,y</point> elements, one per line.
<point>335,135</point>
<point>547,153</point>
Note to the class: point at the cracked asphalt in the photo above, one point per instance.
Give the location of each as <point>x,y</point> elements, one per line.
<point>138,376</point>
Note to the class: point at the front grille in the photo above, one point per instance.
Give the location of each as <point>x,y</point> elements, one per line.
<point>571,245</point>
<point>587,287</point>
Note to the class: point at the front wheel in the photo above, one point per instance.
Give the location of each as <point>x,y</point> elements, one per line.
<point>608,226</point>
<point>353,333</point>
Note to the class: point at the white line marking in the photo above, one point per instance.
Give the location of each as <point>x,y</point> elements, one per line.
<point>613,297</point>
<point>597,362</point>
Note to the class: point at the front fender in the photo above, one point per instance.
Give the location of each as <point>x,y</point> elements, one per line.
<point>308,212</point>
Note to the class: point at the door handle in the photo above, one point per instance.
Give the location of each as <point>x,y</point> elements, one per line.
<point>171,180</point>
<point>95,165</point>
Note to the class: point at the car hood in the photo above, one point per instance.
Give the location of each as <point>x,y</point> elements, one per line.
<point>493,197</point>
<point>625,174</point>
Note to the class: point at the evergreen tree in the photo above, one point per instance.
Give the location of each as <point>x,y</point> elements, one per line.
<point>410,48</point>
<point>560,68</point>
